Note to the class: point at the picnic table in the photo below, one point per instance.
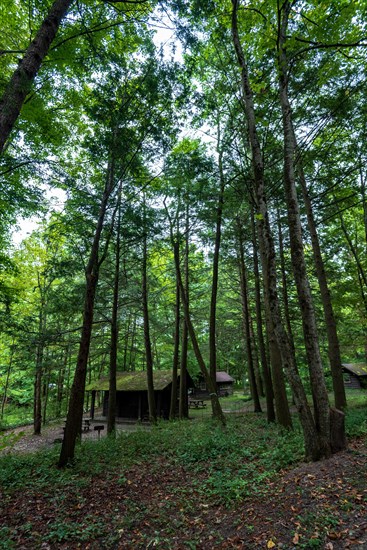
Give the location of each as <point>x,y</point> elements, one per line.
<point>197,404</point>
<point>86,425</point>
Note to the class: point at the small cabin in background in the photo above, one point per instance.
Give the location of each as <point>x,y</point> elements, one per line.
<point>355,375</point>
<point>132,393</point>
<point>225,384</point>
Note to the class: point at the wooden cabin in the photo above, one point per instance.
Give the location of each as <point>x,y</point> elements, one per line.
<point>355,375</point>
<point>132,394</point>
<point>225,384</point>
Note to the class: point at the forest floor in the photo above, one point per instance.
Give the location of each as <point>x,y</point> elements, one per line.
<point>24,440</point>
<point>167,504</point>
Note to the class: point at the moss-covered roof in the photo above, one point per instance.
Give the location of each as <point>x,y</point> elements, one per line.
<point>360,369</point>
<point>133,381</point>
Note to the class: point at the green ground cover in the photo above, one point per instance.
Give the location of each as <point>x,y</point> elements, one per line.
<point>145,486</point>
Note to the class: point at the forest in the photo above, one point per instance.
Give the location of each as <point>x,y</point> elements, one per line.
<point>184,187</point>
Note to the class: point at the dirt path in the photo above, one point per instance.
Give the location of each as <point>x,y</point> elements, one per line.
<point>22,439</point>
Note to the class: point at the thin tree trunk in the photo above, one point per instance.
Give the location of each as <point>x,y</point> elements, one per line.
<point>45,391</point>
<point>172,412</point>
<point>111,415</point>
<point>330,323</point>
<point>255,355</point>
<point>216,406</point>
<point>269,393</point>
<point>282,412</point>
<point>214,293</point>
<point>364,202</point>
<point>284,284</point>
<point>184,405</point>
<point>75,410</point>
<point>147,341</point>
<point>61,382</point>
<point>7,378</point>
<point>37,405</point>
<point>132,347</point>
<point>22,79</point>
<point>246,321</point>
<point>126,343</point>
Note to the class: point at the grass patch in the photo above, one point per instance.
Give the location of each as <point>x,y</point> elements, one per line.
<point>193,465</point>
<point>242,455</point>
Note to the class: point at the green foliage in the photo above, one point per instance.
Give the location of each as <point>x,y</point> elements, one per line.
<point>63,530</point>
<point>356,422</point>
<point>5,539</point>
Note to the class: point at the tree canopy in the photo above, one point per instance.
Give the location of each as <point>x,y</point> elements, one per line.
<point>215,202</point>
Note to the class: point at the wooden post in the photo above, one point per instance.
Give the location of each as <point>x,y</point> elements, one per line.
<point>93,404</point>
<point>139,411</point>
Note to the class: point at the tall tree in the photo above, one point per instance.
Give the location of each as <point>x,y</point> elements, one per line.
<point>318,385</point>
<point>146,320</point>
<point>246,320</point>
<point>111,417</point>
<point>314,444</point>
<point>75,412</point>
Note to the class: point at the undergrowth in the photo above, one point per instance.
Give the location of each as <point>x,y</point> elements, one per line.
<point>234,462</point>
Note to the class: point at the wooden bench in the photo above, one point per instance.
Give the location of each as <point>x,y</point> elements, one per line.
<point>98,429</point>
<point>197,404</point>
<point>86,425</point>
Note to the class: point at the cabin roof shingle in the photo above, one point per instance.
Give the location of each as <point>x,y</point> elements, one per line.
<point>359,369</point>
<point>222,376</point>
<point>133,381</point>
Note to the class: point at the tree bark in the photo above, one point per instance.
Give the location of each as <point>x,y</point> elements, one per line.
<point>282,412</point>
<point>285,284</point>
<point>269,393</point>
<point>61,381</point>
<point>364,202</point>
<point>184,405</point>
<point>267,251</point>
<point>111,416</point>
<point>75,411</point>
<point>246,321</point>
<point>216,406</point>
<point>214,293</point>
<point>7,378</point>
<point>176,338</point>
<point>37,405</point>
<point>318,386</point>
<point>22,79</point>
<point>147,341</point>
<point>330,323</point>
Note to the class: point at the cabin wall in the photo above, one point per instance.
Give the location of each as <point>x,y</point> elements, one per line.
<point>225,388</point>
<point>201,391</point>
<point>351,381</point>
<point>134,405</point>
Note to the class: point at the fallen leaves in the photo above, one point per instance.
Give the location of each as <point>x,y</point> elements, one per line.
<point>159,503</point>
